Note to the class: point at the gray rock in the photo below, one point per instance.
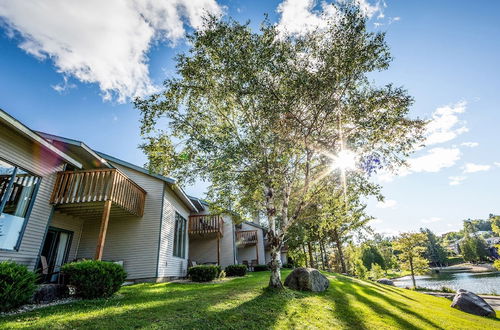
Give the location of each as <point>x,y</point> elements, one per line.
<point>49,292</point>
<point>307,279</point>
<point>385,281</point>
<point>471,303</point>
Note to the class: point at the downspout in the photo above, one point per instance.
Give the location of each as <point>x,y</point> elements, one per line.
<point>159,235</point>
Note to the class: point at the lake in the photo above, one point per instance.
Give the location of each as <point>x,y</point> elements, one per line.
<point>485,283</point>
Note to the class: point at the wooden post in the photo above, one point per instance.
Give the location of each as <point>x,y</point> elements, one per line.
<point>104,229</point>
<point>257,246</point>
<point>218,249</point>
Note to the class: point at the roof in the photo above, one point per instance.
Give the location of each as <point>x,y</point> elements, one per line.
<point>255,225</point>
<point>171,182</point>
<point>199,203</point>
<point>33,136</point>
<point>77,149</point>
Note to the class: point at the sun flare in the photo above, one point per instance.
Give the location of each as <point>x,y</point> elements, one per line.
<point>344,160</point>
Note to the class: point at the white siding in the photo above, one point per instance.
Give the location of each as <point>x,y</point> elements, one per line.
<point>71,223</point>
<point>24,153</point>
<point>204,250</point>
<point>131,239</point>
<point>168,265</point>
<point>250,252</point>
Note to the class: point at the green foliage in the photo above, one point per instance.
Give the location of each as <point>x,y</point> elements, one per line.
<point>376,272</point>
<point>17,285</point>
<point>204,273</point>
<point>410,248</point>
<point>236,270</point>
<point>473,248</point>
<point>260,268</point>
<point>496,264</point>
<point>495,224</point>
<point>287,266</point>
<point>370,255</point>
<point>360,269</point>
<point>435,253</point>
<point>257,114</point>
<point>94,278</point>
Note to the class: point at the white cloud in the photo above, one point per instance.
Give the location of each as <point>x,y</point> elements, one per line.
<point>445,125</point>
<point>456,180</point>
<point>435,160</point>
<point>376,221</point>
<point>301,16</point>
<point>472,168</point>
<point>388,203</point>
<point>103,42</point>
<point>64,86</point>
<point>470,144</point>
<point>431,220</point>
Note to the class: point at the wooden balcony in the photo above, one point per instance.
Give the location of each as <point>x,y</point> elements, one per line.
<point>246,237</point>
<point>87,190</point>
<point>205,225</point>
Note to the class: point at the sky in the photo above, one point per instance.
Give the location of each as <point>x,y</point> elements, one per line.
<point>71,68</point>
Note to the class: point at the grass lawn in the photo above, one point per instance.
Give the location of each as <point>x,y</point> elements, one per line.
<point>241,303</point>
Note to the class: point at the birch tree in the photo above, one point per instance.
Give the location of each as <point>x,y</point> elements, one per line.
<point>262,116</point>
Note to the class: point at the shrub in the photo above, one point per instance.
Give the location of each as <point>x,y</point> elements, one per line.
<point>236,270</point>
<point>260,268</point>
<point>17,285</point>
<point>289,266</point>
<point>204,273</point>
<point>376,272</point>
<point>94,278</point>
<point>496,264</point>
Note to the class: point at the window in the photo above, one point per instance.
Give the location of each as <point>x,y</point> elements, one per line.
<point>17,192</point>
<point>180,236</point>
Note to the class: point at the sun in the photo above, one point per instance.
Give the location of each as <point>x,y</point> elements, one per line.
<point>344,160</point>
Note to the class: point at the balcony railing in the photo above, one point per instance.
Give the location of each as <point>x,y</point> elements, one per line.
<point>205,224</point>
<point>99,185</point>
<point>246,237</point>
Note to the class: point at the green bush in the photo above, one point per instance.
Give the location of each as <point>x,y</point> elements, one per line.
<point>289,266</point>
<point>260,268</point>
<point>496,264</point>
<point>236,270</point>
<point>94,278</point>
<point>204,273</point>
<point>17,285</point>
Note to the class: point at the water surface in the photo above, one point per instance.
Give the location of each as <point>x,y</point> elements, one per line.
<point>485,283</point>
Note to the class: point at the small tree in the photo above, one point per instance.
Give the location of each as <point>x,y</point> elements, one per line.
<point>411,248</point>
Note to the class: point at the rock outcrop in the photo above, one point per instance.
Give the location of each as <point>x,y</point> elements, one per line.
<point>307,279</point>
<point>471,303</point>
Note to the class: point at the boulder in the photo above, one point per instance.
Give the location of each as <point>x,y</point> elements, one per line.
<point>385,281</point>
<point>471,303</point>
<point>307,279</point>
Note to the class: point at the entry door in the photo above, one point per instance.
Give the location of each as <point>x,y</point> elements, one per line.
<point>55,250</point>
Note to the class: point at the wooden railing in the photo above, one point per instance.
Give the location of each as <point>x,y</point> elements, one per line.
<point>246,237</point>
<point>99,185</point>
<point>205,224</point>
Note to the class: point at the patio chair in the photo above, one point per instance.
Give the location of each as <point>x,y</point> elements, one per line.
<point>47,275</point>
<point>245,262</point>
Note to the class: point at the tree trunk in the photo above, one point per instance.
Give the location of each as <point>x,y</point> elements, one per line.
<point>336,238</point>
<point>274,240</point>
<point>311,259</point>
<point>322,254</point>
<point>412,274</point>
<point>305,253</point>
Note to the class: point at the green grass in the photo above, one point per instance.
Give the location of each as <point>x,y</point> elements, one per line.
<point>242,303</point>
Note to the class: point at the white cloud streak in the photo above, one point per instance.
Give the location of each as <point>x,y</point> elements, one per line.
<point>431,220</point>
<point>301,16</point>
<point>470,144</point>
<point>103,42</point>
<point>472,168</point>
<point>456,180</point>
<point>445,125</point>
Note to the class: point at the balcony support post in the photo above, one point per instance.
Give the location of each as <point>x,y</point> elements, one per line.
<point>218,249</point>
<point>257,247</point>
<point>103,230</point>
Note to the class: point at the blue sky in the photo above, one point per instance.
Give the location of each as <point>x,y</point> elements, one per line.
<point>74,75</point>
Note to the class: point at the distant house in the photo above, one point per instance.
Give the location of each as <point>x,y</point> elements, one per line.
<point>62,201</point>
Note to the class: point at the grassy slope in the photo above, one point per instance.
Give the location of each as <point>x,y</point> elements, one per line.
<point>242,303</point>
